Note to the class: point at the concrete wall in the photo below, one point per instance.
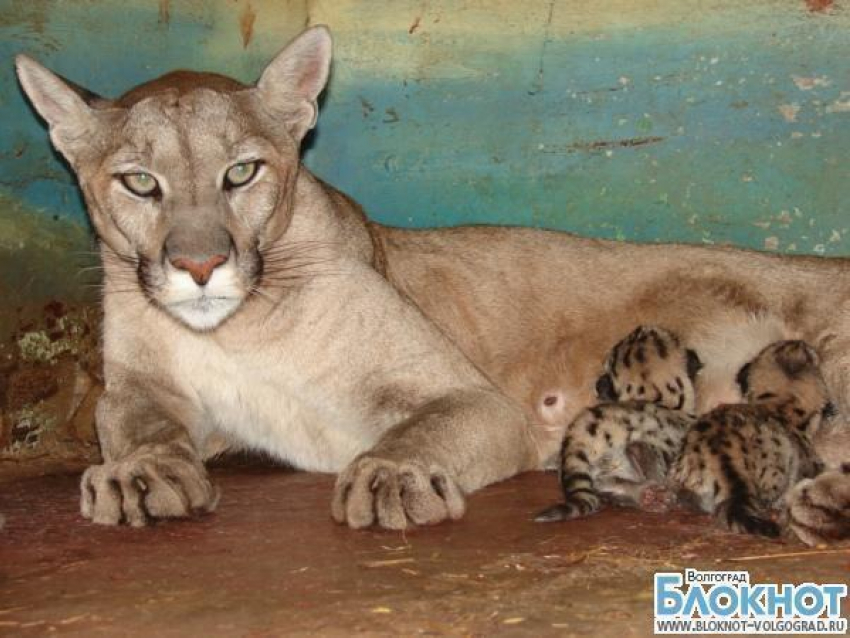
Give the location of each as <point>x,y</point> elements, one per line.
<point>712,121</point>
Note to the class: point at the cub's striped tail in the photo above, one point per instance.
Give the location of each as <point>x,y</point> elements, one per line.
<point>739,512</point>
<point>744,516</point>
<point>580,497</point>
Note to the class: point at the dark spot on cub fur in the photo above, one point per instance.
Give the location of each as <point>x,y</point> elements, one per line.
<point>660,346</point>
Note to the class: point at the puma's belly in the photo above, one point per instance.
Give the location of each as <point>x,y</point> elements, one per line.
<point>263,408</point>
<point>724,346</point>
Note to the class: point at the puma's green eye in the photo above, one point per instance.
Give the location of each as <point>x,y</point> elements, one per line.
<point>141,184</point>
<point>240,174</point>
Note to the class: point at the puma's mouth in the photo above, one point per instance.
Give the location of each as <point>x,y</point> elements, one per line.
<point>204,312</point>
<point>201,307</point>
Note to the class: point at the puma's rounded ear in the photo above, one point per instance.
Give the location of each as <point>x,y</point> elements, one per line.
<point>292,82</point>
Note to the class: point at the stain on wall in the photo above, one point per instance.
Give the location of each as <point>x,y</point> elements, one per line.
<point>679,120</point>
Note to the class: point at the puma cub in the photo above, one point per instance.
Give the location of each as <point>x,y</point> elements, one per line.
<point>740,461</point>
<point>625,445</point>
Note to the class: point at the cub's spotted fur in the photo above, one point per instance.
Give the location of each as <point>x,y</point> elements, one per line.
<point>818,509</point>
<point>619,449</point>
<point>740,460</point>
<point>650,365</point>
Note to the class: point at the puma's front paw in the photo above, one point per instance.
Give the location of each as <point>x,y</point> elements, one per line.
<point>378,491</point>
<point>156,481</point>
<point>818,510</point>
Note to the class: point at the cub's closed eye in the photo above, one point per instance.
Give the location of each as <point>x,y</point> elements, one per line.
<point>141,184</point>
<point>241,174</point>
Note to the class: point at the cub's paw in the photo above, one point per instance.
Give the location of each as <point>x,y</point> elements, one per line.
<point>375,491</point>
<point>657,498</point>
<point>154,482</point>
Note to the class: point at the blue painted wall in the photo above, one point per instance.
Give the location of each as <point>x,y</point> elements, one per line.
<point>646,120</point>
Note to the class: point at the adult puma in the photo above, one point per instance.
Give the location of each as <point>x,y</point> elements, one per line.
<point>247,303</point>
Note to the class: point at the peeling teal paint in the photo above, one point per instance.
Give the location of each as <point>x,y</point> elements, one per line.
<point>732,127</point>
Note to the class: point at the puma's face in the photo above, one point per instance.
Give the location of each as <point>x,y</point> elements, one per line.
<point>188,190</point>
<point>188,178</point>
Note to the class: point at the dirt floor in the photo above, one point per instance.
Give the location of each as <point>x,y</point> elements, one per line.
<point>271,562</point>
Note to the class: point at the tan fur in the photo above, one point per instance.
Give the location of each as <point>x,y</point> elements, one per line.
<point>818,509</point>
<point>377,351</point>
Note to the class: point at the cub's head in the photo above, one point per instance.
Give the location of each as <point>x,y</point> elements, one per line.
<point>189,177</point>
<point>788,372</point>
<point>650,364</point>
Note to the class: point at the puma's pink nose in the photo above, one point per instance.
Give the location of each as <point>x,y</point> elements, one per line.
<point>201,273</point>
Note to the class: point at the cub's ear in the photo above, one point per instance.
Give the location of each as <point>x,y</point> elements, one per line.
<point>694,364</point>
<point>795,357</point>
<point>743,378</point>
<point>59,102</point>
<point>829,410</point>
<point>605,388</point>
<point>291,83</point>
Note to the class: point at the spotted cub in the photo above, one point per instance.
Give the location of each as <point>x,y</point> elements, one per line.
<point>818,510</point>
<point>625,444</point>
<point>740,460</point>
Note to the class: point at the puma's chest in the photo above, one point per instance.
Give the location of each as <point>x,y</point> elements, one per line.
<point>259,400</point>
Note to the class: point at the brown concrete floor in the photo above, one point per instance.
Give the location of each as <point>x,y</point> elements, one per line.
<point>271,562</point>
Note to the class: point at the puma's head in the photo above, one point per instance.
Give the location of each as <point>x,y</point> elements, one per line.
<point>188,178</point>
